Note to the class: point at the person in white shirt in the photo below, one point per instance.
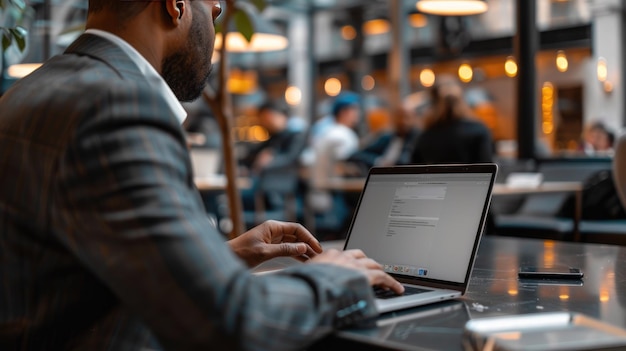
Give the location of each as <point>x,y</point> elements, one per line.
<point>331,145</point>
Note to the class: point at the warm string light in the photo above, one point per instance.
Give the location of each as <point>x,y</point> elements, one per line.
<point>332,87</point>
<point>376,26</point>
<point>427,77</point>
<point>368,83</point>
<point>602,70</point>
<point>466,73</point>
<point>348,32</point>
<point>547,107</point>
<point>293,96</point>
<point>510,67</point>
<point>562,64</point>
<point>418,20</point>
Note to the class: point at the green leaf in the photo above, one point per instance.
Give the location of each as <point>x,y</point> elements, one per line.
<point>260,4</point>
<point>6,39</point>
<point>243,24</point>
<point>19,35</point>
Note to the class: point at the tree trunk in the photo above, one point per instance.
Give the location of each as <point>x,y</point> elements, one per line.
<point>220,102</point>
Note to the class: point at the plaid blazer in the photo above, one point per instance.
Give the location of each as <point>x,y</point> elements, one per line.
<point>104,242</point>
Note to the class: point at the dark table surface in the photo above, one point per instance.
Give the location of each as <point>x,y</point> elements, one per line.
<point>496,291</point>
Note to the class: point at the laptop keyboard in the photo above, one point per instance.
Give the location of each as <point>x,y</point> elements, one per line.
<point>387,294</point>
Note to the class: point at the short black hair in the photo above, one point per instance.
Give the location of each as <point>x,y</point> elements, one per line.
<point>273,106</point>
<point>126,8</point>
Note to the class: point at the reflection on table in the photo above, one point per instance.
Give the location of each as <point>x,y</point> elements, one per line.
<point>495,290</point>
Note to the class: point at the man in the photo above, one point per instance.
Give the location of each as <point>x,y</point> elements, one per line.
<point>279,154</point>
<point>281,149</point>
<point>104,243</point>
<point>338,138</point>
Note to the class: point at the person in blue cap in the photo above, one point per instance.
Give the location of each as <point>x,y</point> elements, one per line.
<point>346,109</point>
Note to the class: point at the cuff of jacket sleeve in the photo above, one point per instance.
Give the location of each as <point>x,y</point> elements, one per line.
<point>346,292</point>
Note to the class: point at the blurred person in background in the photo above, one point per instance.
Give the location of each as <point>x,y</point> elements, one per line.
<point>336,129</point>
<point>339,140</point>
<point>391,147</point>
<point>280,151</point>
<point>104,241</point>
<point>598,139</point>
<point>451,133</point>
<point>331,145</point>
<point>282,148</point>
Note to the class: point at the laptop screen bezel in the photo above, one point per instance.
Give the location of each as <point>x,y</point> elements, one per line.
<point>490,168</point>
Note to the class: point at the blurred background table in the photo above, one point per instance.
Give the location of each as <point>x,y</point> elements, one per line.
<point>218,182</point>
<point>500,189</point>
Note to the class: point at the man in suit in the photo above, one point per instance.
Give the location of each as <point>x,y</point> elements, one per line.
<point>104,242</point>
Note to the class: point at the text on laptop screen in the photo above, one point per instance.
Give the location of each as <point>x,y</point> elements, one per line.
<point>421,225</point>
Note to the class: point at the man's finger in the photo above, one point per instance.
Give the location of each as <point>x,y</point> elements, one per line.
<point>303,235</point>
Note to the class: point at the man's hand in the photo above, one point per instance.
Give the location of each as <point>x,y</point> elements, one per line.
<point>356,259</point>
<point>275,239</point>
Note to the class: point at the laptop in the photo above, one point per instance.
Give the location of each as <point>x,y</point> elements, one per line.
<point>205,162</point>
<point>423,224</point>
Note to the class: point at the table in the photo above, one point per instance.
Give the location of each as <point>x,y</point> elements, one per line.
<point>218,182</point>
<point>546,188</point>
<point>495,290</point>
<point>343,184</point>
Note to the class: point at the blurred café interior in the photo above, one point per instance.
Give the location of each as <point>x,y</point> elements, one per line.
<point>544,77</point>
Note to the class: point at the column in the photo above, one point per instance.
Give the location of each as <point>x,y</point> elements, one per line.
<point>301,64</point>
<point>399,56</point>
<point>526,43</point>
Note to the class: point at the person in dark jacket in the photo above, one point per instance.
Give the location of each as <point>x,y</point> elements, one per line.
<point>282,148</point>
<point>393,147</point>
<point>451,132</point>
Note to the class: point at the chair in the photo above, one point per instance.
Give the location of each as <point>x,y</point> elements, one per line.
<point>611,231</point>
<point>326,210</point>
<point>619,168</point>
<point>538,216</point>
<point>276,187</point>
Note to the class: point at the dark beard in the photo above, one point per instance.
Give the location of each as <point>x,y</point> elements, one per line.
<point>187,71</point>
<point>184,78</point>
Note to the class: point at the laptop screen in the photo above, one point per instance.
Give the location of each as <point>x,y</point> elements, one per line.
<point>421,225</point>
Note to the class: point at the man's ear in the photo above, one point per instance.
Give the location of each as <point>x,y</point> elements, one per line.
<point>175,10</point>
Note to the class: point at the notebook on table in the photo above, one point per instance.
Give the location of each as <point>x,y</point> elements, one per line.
<point>423,224</point>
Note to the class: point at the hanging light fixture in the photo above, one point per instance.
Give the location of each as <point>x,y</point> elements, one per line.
<point>376,26</point>
<point>265,38</point>
<point>452,7</point>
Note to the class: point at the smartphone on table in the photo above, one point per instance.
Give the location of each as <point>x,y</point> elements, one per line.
<point>534,272</point>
